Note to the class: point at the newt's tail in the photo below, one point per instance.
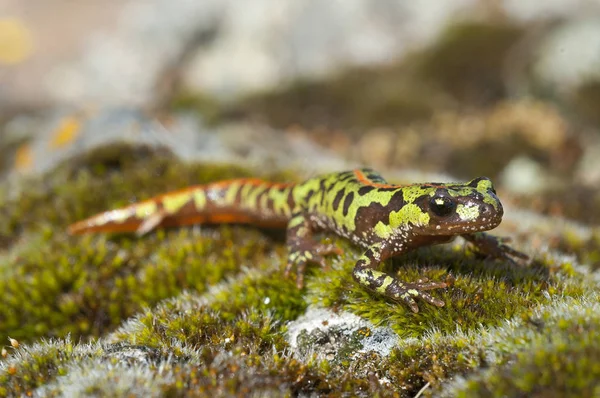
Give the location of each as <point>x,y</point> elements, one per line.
<point>247,201</point>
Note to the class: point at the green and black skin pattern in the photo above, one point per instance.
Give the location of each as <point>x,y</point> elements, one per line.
<point>387,220</point>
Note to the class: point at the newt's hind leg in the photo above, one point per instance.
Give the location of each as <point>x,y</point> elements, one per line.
<point>302,249</point>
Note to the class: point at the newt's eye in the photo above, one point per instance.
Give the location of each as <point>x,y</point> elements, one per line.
<point>442,205</point>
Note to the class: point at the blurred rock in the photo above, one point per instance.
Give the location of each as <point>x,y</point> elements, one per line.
<point>588,170</point>
<point>133,52</point>
<point>270,43</point>
<point>569,56</point>
<point>531,10</point>
<point>35,144</point>
<point>236,49</point>
<point>539,123</point>
<point>376,147</point>
<point>50,33</point>
<point>523,175</point>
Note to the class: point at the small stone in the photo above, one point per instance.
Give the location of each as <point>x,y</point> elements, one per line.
<point>524,175</point>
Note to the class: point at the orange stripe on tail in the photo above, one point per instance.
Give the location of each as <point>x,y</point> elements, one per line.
<point>134,218</point>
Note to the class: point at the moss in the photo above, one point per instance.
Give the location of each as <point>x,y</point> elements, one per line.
<point>229,362</point>
<point>552,354</point>
<point>587,249</point>
<point>482,293</point>
<point>474,360</point>
<point>95,282</point>
<point>229,315</point>
<point>218,345</point>
<point>210,306</point>
<point>30,367</point>
<point>418,364</point>
<point>189,347</point>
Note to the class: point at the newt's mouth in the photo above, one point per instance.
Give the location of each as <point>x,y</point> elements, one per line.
<point>468,218</point>
<point>453,230</point>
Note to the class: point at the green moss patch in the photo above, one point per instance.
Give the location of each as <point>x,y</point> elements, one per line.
<point>208,308</point>
<point>553,353</point>
<point>86,286</point>
<point>30,367</point>
<point>587,249</point>
<point>482,292</point>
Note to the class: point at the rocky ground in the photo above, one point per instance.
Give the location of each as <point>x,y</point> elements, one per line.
<point>285,92</point>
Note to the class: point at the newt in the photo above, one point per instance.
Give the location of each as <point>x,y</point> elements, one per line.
<point>359,205</point>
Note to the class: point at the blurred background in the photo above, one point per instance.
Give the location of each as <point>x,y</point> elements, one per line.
<point>509,89</point>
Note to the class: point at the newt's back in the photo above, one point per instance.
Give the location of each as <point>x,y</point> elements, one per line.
<point>350,203</point>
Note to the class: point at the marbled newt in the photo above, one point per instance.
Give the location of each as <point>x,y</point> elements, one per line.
<point>359,205</point>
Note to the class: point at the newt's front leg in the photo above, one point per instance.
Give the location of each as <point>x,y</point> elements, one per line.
<point>367,275</point>
<point>302,248</point>
<point>495,247</point>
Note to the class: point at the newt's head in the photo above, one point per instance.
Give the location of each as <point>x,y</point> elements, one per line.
<point>453,209</point>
